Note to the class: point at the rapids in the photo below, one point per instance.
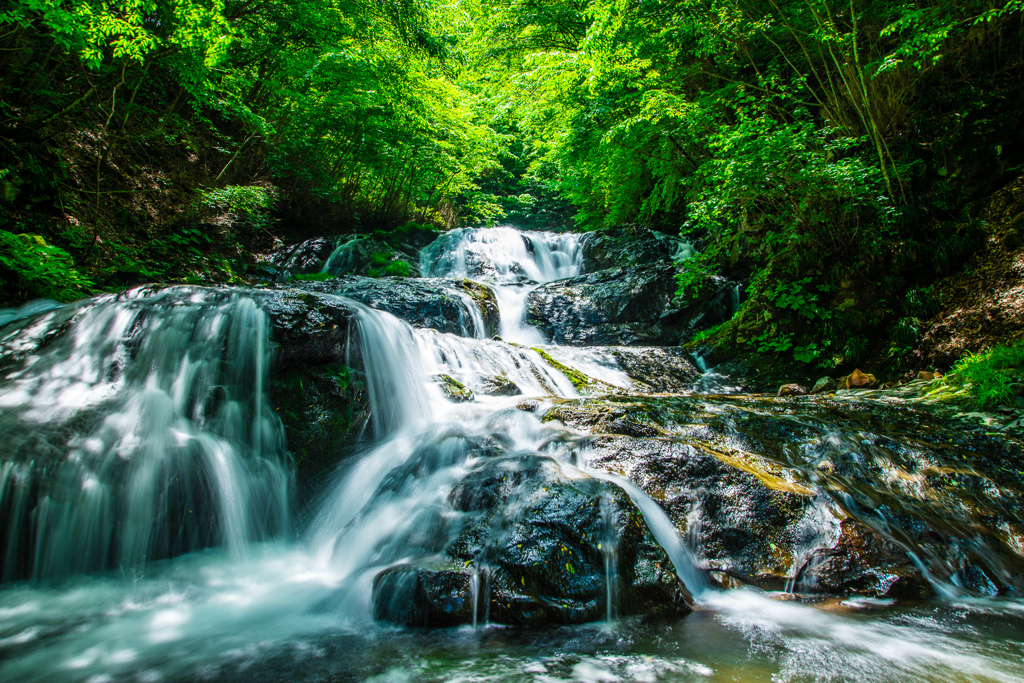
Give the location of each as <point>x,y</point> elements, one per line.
<point>150,528</point>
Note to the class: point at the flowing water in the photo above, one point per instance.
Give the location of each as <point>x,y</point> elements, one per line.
<point>148,534</point>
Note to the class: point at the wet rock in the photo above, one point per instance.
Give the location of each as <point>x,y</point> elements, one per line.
<point>743,527</point>
<point>927,375</point>
<point>538,543</point>
<point>630,428</point>
<point>658,369</point>
<point>792,390</point>
<point>307,328</point>
<point>498,385</point>
<point>857,380</point>
<point>453,389</point>
<point>321,407</point>
<point>824,384</point>
<point>863,563</point>
<point>457,306</point>
<point>305,257</point>
<point>629,306</point>
<point>418,597</point>
<point>628,245</point>
<point>528,406</point>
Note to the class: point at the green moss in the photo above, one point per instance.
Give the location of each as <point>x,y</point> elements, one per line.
<point>314,277</point>
<point>578,379</point>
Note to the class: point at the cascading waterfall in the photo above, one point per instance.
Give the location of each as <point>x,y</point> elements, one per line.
<point>138,429</point>
<point>512,262</point>
<point>140,434</point>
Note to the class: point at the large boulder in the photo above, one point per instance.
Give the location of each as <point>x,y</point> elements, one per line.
<point>342,255</point>
<point>820,495</point>
<point>457,306</point>
<point>321,400</point>
<point>628,306</point>
<point>536,547</point>
<point>657,369</point>
<point>629,246</point>
<point>304,257</point>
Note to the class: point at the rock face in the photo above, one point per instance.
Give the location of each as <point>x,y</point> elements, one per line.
<point>815,496</point>
<point>630,306</point>
<point>321,401</point>
<point>628,246</point>
<point>458,306</point>
<point>342,255</point>
<point>540,548</point>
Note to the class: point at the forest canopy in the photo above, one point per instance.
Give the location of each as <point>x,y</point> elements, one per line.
<point>812,148</point>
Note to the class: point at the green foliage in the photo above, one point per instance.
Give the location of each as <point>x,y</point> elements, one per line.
<point>251,205</point>
<point>313,277</point>
<point>988,379</point>
<point>29,265</point>
<point>383,264</point>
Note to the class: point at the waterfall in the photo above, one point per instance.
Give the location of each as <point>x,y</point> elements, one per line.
<point>512,262</point>
<point>137,428</point>
<point>142,433</point>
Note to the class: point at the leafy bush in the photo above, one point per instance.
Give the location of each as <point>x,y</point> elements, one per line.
<point>32,268</point>
<point>251,203</point>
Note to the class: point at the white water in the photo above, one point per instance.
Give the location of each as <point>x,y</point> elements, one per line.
<point>143,432</point>
<point>179,377</point>
<point>512,262</point>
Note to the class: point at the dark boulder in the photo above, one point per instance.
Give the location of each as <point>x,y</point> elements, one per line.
<point>412,596</point>
<point>305,257</point>
<point>744,529</point>
<point>457,306</point>
<point>539,548</point>
<point>629,306</point>
<point>629,246</point>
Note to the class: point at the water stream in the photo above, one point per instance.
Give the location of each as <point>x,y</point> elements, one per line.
<point>148,529</point>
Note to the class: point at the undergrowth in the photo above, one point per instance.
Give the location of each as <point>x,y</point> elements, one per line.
<point>987,379</point>
<point>32,268</point>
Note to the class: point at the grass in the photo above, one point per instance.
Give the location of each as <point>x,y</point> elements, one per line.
<point>988,379</point>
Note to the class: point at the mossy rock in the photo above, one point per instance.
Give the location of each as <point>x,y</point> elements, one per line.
<point>453,389</point>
